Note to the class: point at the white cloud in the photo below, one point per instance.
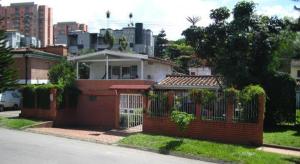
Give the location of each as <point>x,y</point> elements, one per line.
<point>280,11</point>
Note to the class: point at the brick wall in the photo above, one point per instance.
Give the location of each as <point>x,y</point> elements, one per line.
<point>37,68</point>
<point>59,50</point>
<point>43,114</point>
<point>224,131</point>
<point>99,105</point>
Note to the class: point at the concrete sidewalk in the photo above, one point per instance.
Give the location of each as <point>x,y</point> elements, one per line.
<point>280,151</point>
<point>98,136</point>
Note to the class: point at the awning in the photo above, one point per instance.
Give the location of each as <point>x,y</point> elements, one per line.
<point>132,87</point>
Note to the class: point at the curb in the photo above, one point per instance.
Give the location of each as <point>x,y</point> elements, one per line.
<point>39,125</point>
<point>176,154</point>
<point>282,147</point>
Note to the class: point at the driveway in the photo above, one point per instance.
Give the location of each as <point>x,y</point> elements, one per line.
<point>25,147</point>
<point>9,114</point>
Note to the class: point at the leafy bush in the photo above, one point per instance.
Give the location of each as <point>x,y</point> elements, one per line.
<point>28,94</point>
<point>62,74</point>
<point>281,99</point>
<point>251,92</point>
<point>181,119</point>
<point>43,97</point>
<point>231,92</point>
<point>202,96</point>
<point>69,97</point>
<point>159,103</point>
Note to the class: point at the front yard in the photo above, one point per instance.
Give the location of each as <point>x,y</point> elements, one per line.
<point>285,135</point>
<point>16,123</point>
<point>205,149</point>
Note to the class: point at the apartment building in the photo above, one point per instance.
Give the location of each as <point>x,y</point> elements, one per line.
<point>29,19</point>
<point>62,29</point>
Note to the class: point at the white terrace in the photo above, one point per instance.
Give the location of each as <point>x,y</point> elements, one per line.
<point>106,65</point>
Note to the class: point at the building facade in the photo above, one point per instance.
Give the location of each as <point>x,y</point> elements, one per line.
<point>17,40</point>
<point>33,65</point>
<point>29,19</point>
<point>139,40</point>
<point>62,29</point>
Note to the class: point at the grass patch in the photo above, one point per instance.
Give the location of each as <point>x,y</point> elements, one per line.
<point>285,135</point>
<point>15,123</point>
<point>206,149</point>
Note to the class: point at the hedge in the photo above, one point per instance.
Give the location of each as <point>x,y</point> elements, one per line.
<point>281,99</point>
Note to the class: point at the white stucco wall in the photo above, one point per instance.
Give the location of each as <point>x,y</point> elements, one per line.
<point>155,71</point>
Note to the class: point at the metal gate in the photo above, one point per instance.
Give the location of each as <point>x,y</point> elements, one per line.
<point>131,110</point>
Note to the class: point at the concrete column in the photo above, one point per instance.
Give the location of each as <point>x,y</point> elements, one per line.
<point>106,67</point>
<point>170,101</point>
<point>142,69</point>
<point>77,70</point>
<point>230,109</point>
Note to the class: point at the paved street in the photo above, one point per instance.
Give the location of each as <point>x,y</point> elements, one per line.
<point>24,147</point>
<point>10,113</point>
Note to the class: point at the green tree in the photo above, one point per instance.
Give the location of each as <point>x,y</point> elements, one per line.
<point>123,44</point>
<point>7,73</point>
<point>246,50</point>
<point>62,73</point>
<point>109,39</point>
<point>181,53</point>
<point>160,44</point>
<point>244,45</point>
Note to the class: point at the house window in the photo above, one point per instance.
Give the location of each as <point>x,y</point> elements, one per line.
<point>193,73</point>
<point>298,73</point>
<point>116,72</point>
<point>125,72</point>
<point>134,72</point>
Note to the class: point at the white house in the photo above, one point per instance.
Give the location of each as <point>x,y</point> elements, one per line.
<point>116,65</point>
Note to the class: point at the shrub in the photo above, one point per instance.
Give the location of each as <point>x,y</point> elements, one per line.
<point>28,94</point>
<point>181,119</point>
<point>251,92</point>
<point>202,96</point>
<point>160,100</point>
<point>281,99</point>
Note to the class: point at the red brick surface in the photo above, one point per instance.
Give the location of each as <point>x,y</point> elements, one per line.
<point>224,131</point>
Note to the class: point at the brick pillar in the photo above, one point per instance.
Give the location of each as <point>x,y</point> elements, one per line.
<point>198,111</point>
<point>260,121</point>
<point>53,103</point>
<point>230,109</point>
<point>117,109</point>
<point>170,101</point>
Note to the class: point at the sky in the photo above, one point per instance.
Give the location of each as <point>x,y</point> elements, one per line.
<point>156,15</point>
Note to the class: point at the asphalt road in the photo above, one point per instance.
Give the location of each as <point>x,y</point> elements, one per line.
<point>24,147</point>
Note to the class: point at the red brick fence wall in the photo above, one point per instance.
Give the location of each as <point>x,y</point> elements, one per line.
<point>224,131</point>
<point>45,114</point>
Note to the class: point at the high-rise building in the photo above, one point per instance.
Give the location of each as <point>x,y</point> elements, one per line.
<point>45,25</point>
<point>62,29</point>
<point>29,19</point>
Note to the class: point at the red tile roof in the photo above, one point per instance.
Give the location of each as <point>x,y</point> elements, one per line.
<point>132,87</point>
<point>187,81</point>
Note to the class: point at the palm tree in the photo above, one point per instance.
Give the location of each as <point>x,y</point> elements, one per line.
<point>130,17</point>
<point>295,7</point>
<point>193,20</point>
<point>107,17</point>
